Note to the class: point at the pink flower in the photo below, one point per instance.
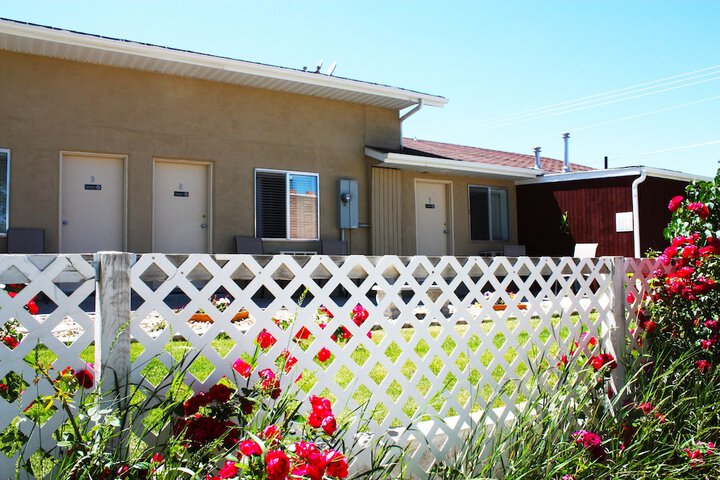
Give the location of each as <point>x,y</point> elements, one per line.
<point>675,203</point>
<point>359,314</point>
<point>242,367</point>
<point>249,448</point>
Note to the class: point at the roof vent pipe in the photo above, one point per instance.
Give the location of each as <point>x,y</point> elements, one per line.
<point>537,159</point>
<point>566,167</point>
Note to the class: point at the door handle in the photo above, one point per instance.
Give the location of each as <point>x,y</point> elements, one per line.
<point>203,225</point>
<point>445,232</point>
<point>66,222</point>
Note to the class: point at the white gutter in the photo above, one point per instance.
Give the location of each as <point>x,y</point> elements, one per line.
<point>615,172</point>
<point>418,162</point>
<point>636,211</point>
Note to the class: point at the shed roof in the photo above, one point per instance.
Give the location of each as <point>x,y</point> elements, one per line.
<point>465,153</point>
<point>42,40</point>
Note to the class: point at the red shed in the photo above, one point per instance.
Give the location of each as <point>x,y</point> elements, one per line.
<point>623,210</point>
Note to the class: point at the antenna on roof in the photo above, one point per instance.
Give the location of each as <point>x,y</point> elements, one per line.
<point>331,68</point>
<point>319,66</point>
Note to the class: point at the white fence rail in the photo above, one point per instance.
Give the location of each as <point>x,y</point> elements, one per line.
<point>435,343</point>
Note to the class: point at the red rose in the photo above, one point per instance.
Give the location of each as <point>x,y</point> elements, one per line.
<point>337,466</point>
<point>324,354</point>
<point>32,307</point>
<point>271,433</point>
<point>242,367</point>
<point>650,326</point>
<point>303,334</point>
<point>602,360</point>
<point>630,297</point>
<point>85,378</point>
<point>675,203</point>
<point>700,209</point>
<point>270,383</point>
<point>249,448</point>
<point>247,406</point>
<point>277,465</point>
<point>220,393</point>
<point>703,365</point>
<point>10,341</point>
<point>157,458</point>
<point>289,360</point>
<point>329,425</point>
<point>228,470</point>
<point>265,339</point>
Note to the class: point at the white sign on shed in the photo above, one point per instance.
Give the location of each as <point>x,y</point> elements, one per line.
<point>624,222</point>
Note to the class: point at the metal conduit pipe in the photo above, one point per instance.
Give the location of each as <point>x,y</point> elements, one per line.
<point>636,211</point>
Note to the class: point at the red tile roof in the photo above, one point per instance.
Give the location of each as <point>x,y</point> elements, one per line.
<point>483,155</point>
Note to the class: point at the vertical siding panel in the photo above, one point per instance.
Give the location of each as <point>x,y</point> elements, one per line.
<point>385,215</point>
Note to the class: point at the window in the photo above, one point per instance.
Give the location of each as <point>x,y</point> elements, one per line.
<point>488,213</point>
<point>4,189</point>
<point>287,206</point>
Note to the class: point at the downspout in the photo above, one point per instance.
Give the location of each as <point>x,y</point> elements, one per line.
<point>413,111</point>
<point>408,114</point>
<point>636,211</point>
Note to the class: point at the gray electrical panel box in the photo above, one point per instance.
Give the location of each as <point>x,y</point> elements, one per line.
<point>348,203</point>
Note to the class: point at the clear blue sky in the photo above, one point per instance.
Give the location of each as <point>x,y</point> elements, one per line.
<point>501,63</point>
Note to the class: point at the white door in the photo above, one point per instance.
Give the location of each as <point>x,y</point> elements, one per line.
<point>181,222</point>
<point>432,218</point>
<point>92,203</point>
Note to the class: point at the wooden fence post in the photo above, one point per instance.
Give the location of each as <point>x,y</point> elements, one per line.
<point>112,324</point>
<point>617,324</point>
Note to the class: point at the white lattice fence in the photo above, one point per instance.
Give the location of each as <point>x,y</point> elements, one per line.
<point>59,284</point>
<point>436,344</point>
<point>638,271</point>
<point>433,342</point>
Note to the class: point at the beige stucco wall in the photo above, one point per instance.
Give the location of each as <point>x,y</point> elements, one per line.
<point>51,105</point>
<point>461,212</point>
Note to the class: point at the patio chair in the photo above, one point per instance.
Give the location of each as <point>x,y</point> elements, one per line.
<point>582,250</point>
<point>585,250</point>
<point>333,247</point>
<point>249,245</point>
<point>514,250</point>
<point>26,240</point>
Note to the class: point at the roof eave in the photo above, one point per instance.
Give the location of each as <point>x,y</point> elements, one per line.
<point>612,173</point>
<point>446,166</point>
<point>88,46</point>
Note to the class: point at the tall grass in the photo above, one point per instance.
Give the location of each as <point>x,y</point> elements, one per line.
<point>647,429</point>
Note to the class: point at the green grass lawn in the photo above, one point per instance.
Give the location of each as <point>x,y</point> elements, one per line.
<point>362,389</point>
